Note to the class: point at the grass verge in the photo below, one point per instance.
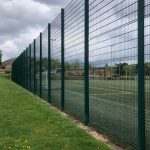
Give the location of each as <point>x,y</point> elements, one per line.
<point>6,76</point>
<point>29,123</point>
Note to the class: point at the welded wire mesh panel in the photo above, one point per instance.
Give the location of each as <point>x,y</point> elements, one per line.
<point>26,75</point>
<point>74,59</point>
<point>28,67</point>
<point>113,73</point>
<point>13,71</point>
<point>29,64</point>
<point>56,61</point>
<point>17,66</point>
<point>37,76</point>
<point>147,73</point>
<point>23,69</point>
<point>18,70</point>
<point>45,64</point>
<point>32,67</point>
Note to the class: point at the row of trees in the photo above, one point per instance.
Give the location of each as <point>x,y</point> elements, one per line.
<point>0,57</point>
<point>119,69</point>
<point>122,69</point>
<point>128,69</point>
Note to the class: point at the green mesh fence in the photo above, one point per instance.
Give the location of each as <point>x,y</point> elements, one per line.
<point>113,75</point>
<point>45,64</point>
<point>147,73</point>
<point>18,70</point>
<point>74,58</point>
<point>56,61</point>
<point>23,70</point>
<point>101,45</point>
<point>37,56</point>
<point>32,67</point>
<point>28,67</point>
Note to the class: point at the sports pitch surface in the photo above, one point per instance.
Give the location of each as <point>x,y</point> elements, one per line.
<point>113,106</point>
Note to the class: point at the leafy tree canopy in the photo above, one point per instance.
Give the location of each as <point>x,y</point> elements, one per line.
<point>0,57</point>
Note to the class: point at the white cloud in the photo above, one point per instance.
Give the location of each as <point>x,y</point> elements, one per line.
<point>22,21</point>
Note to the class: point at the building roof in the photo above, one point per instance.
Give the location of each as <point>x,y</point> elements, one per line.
<point>7,62</point>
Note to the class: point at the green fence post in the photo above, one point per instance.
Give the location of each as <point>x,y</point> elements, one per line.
<point>141,94</point>
<point>22,69</point>
<point>30,67</point>
<point>12,72</point>
<point>41,65</point>
<point>34,67</point>
<point>86,63</point>
<point>49,63</point>
<point>26,68</point>
<point>62,60</point>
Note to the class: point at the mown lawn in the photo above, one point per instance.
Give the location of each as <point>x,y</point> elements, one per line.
<point>27,122</point>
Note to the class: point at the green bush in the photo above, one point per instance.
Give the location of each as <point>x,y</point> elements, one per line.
<point>7,72</point>
<point>6,76</point>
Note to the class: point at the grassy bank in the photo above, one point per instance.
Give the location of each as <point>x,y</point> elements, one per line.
<point>29,123</point>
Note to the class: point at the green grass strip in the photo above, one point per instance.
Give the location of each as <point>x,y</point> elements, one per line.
<point>29,123</point>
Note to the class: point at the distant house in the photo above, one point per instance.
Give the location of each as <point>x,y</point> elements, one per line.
<point>100,71</point>
<point>95,73</point>
<point>6,66</point>
<point>76,72</point>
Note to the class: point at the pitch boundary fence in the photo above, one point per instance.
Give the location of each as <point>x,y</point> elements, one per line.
<point>64,57</point>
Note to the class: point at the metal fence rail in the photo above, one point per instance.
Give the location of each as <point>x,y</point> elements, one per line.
<point>93,62</point>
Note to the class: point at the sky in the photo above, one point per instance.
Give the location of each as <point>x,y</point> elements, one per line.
<point>113,28</point>
<point>23,20</point>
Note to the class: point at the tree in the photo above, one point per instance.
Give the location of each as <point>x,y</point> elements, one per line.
<point>45,63</point>
<point>55,63</point>
<point>0,57</point>
<point>110,69</point>
<point>129,70</point>
<point>147,68</point>
<point>75,65</point>
<point>67,66</point>
<point>91,66</point>
<point>119,68</point>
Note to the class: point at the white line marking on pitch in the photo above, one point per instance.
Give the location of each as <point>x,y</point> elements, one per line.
<point>113,93</point>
